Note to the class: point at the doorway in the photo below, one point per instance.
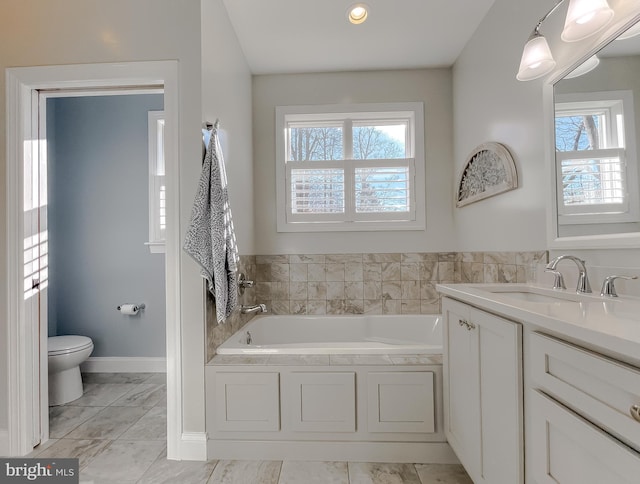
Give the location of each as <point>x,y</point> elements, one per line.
<point>27,357</point>
<point>98,206</point>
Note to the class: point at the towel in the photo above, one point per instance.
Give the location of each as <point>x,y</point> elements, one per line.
<point>210,238</point>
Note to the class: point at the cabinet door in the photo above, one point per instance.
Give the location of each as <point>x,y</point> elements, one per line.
<point>501,399</point>
<point>461,386</point>
<point>567,449</point>
<point>247,402</point>
<point>401,402</point>
<point>483,393</point>
<point>320,402</point>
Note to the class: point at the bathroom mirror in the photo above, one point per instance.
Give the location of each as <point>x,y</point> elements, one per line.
<point>597,149</point>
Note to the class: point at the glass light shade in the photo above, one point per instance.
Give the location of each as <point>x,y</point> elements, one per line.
<point>536,59</point>
<point>587,66</point>
<point>585,18</point>
<point>629,33</point>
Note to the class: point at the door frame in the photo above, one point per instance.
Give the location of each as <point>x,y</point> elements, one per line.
<point>21,83</point>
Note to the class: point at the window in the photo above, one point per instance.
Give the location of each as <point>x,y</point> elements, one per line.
<point>596,168</point>
<point>350,167</point>
<point>157,185</point>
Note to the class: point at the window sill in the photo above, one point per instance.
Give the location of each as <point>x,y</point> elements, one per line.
<point>156,247</point>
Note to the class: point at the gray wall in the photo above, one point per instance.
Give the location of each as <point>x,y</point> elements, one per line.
<point>98,224</point>
<point>431,86</point>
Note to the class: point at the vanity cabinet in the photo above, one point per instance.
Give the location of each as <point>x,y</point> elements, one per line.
<point>582,428</point>
<point>483,393</point>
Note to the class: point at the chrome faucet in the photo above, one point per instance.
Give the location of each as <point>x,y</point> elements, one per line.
<point>256,308</point>
<point>609,289</point>
<point>583,281</point>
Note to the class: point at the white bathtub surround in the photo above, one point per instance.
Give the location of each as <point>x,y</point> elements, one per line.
<point>361,335</point>
<point>336,388</point>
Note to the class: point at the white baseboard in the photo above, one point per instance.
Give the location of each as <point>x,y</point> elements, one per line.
<point>193,446</point>
<point>398,452</point>
<point>4,442</point>
<point>118,364</point>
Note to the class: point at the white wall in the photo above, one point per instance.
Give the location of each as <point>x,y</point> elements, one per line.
<point>226,94</point>
<point>491,105</point>
<point>431,86</point>
<point>40,32</point>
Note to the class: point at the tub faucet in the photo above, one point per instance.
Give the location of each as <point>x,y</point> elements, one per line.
<point>256,308</point>
<point>583,281</point>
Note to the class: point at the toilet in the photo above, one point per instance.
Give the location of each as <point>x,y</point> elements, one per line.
<point>65,355</point>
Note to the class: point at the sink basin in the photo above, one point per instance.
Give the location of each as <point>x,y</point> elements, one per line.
<point>533,297</point>
<point>533,294</point>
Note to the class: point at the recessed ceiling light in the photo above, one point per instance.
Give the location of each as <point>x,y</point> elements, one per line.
<point>357,13</point>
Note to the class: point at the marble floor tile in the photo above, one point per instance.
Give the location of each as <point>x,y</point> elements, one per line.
<point>41,448</point>
<point>245,472</point>
<point>159,378</point>
<point>164,471</point>
<point>102,394</point>
<point>124,461</point>
<point>117,377</point>
<point>110,423</point>
<point>65,418</point>
<point>297,472</point>
<point>442,474</point>
<point>373,473</point>
<point>83,450</point>
<point>152,426</point>
<point>142,395</point>
<point>163,397</point>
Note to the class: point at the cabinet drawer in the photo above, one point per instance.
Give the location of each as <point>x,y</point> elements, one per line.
<point>320,402</point>
<point>247,402</point>
<point>401,402</point>
<point>600,389</point>
<point>567,449</point>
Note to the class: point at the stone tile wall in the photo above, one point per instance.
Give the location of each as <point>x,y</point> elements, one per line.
<point>218,333</point>
<point>392,283</point>
<point>385,283</point>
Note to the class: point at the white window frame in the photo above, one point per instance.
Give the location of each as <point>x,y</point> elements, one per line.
<point>157,184</point>
<point>618,106</point>
<point>413,112</point>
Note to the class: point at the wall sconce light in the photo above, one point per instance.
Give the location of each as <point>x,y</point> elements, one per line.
<point>584,18</point>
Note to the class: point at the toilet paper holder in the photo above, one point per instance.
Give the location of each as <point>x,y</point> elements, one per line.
<point>136,307</point>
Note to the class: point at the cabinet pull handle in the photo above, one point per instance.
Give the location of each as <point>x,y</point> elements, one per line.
<point>635,412</point>
<point>471,326</point>
<point>462,322</point>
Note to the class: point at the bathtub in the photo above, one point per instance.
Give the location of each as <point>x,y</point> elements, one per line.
<point>348,334</point>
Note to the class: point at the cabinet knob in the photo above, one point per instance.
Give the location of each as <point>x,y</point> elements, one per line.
<point>635,412</point>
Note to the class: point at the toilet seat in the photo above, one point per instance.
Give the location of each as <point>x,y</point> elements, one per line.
<point>64,345</point>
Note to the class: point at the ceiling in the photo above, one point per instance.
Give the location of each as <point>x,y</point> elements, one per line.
<point>290,36</point>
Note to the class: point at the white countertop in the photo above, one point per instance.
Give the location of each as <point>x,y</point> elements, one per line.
<point>612,324</point>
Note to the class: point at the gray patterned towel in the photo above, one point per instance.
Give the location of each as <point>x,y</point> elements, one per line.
<point>210,238</point>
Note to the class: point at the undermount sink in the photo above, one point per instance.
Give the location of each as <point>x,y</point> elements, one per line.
<point>533,297</point>
<point>533,294</point>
